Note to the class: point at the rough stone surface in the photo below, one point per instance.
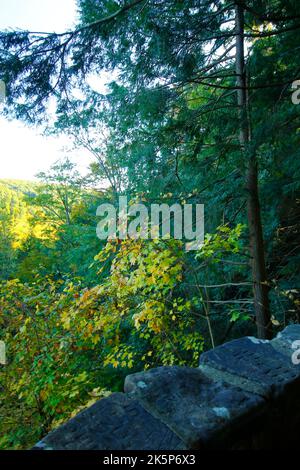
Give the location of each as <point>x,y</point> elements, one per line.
<point>285,341</point>
<point>252,364</point>
<point>197,409</point>
<point>244,395</point>
<point>114,423</point>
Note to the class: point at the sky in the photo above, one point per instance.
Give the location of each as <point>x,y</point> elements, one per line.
<point>23,150</point>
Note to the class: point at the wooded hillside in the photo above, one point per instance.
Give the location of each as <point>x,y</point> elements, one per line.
<point>199,110</point>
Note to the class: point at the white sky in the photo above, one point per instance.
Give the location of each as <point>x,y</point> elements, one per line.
<point>23,151</point>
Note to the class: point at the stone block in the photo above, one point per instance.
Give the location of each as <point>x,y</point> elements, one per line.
<point>287,341</point>
<point>252,364</point>
<point>201,412</point>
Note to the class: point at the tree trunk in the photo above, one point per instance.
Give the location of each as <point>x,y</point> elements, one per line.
<point>259,277</point>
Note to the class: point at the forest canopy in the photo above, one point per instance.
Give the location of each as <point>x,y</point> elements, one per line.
<point>198,110</point>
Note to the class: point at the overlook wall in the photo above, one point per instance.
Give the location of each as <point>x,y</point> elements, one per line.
<point>244,395</point>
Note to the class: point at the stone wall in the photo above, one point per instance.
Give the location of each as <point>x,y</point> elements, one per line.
<point>244,395</point>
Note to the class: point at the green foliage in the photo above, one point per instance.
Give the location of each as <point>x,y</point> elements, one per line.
<point>49,374</point>
<point>64,341</point>
<point>77,314</point>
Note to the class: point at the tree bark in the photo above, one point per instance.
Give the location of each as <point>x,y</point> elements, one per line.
<point>258,266</point>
